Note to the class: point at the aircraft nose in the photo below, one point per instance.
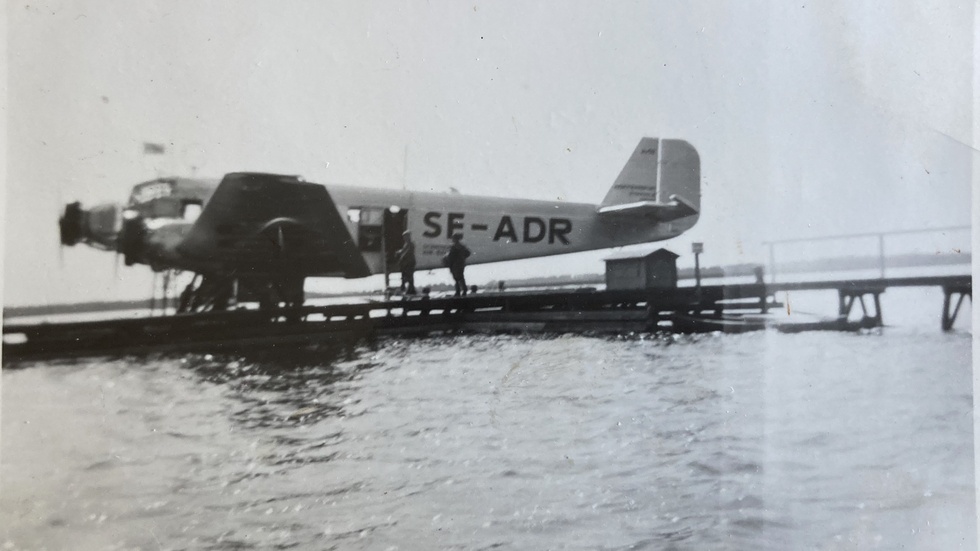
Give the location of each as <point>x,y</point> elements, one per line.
<point>96,226</point>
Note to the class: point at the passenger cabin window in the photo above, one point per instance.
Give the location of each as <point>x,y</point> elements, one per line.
<point>371,217</point>
<point>354,215</point>
<point>192,210</point>
<point>369,229</point>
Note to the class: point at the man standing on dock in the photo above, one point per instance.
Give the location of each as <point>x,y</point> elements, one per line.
<point>406,263</point>
<point>456,260</point>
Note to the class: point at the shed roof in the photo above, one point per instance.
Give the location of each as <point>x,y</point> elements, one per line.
<point>630,255</point>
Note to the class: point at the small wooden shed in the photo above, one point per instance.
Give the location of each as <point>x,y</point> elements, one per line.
<point>642,270</point>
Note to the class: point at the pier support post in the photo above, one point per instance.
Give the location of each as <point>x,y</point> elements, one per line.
<point>949,318</point>
<point>845,303</point>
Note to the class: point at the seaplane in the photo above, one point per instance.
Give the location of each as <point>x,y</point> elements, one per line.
<point>257,236</point>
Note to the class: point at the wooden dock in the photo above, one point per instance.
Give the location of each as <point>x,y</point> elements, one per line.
<point>728,308</point>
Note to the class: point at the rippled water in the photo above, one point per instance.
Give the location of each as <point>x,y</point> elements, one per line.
<point>757,441</point>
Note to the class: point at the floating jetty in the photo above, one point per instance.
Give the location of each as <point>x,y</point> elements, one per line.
<point>726,308</point>
<point>582,310</point>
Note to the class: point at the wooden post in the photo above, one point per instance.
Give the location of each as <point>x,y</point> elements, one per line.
<point>384,248</point>
<point>697,249</point>
<point>949,318</point>
<point>772,263</point>
<point>153,294</point>
<point>166,287</point>
<point>879,321</point>
<point>881,254</point>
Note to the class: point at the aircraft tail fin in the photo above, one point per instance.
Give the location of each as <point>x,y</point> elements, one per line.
<point>662,179</point>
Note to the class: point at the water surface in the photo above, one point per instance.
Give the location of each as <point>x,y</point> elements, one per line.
<point>756,441</point>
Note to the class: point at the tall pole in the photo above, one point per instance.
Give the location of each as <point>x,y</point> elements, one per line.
<point>881,254</point>
<point>166,287</point>
<point>384,247</point>
<point>697,249</point>
<point>153,294</point>
<point>697,270</point>
<point>772,263</point>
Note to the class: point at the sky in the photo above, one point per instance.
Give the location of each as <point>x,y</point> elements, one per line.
<point>810,119</point>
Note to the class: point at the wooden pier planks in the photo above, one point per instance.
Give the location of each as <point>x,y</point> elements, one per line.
<point>685,309</point>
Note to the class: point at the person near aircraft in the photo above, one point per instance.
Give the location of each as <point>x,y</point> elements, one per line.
<point>406,263</point>
<point>456,260</point>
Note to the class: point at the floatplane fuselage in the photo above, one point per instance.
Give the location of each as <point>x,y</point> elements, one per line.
<point>263,234</point>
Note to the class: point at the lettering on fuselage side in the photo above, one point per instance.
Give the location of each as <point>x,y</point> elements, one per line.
<point>505,229</point>
<point>430,249</point>
<point>530,221</point>
<point>559,228</point>
<point>455,222</point>
<point>431,221</point>
<point>534,229</point>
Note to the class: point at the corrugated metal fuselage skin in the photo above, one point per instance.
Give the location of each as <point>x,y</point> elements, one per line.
<point>497,229</point>
<point>278,226</point>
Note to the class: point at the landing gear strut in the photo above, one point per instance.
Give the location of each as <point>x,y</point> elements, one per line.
<point>206,293</point>
<point>216,293</point>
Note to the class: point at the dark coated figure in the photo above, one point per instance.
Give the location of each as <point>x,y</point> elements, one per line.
<point>456,260</point>
<point>406,263</point>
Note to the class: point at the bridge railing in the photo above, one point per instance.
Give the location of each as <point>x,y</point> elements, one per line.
<point>891,249</point>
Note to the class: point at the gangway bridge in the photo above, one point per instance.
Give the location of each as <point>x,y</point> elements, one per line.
<point>867,290</point>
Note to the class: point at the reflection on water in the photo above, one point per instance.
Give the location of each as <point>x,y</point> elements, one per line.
<point>282,388</point>
<point>811,441</point>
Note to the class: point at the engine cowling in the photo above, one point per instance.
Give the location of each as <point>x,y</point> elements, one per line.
<point>96,226</point>
<point>132,238</point>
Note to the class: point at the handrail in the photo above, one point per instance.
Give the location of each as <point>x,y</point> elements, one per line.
<point>882,262</point>
<point>867,234</point>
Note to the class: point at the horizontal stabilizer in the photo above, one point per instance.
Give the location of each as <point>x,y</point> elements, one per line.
<point>661,182</point>
<point>677,207</point>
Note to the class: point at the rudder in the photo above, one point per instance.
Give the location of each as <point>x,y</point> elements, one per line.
<point>659,171</point>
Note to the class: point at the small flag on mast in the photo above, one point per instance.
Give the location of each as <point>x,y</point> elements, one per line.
<point>154,148</point>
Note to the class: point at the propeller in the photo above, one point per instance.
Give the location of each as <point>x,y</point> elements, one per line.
<point>70,224</point>
<point>69,229</point>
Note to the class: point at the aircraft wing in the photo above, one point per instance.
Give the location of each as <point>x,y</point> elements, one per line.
<point>266,223</point>
<point>676,207</point>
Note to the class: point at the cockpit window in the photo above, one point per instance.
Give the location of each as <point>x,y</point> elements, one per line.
<point>162,207</point>
<point>144,193</point>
